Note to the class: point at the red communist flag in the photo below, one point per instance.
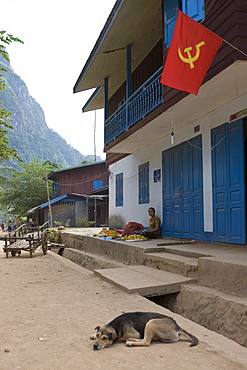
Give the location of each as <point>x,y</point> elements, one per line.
<point>192,50</point>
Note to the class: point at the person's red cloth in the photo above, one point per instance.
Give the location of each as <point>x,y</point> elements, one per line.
<point>131,227</point>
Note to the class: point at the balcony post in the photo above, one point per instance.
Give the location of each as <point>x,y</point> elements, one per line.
<point>106,108</point>
<point>128,83</point>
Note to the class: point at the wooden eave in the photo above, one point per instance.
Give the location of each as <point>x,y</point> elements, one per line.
<point>130,22</point>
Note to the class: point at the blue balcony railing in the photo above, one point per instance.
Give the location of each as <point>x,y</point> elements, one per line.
<point>142,102</point>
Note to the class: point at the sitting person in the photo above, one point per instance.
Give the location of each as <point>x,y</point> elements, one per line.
<point>154,225</point>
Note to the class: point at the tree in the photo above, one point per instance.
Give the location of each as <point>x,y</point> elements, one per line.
<point>27,188</point>
<point>6,173</point>
<point>86,161</point>
<point>53,165</point>
<point>5,151</point>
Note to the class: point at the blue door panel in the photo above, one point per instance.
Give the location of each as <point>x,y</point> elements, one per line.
<point>185,163</point>
<point>235,153</point>
<point>197,220</point>
<point>220,198</point>
<point>176,223</point>
<point>175,172</point>
<point>167,194</point>
<point>197,200</point>
<point>221,223</point>
<point>219,152</point>
<point>196,163</point>
<point>182,190</point>
<point>228,166</point>
<point>235,223</point>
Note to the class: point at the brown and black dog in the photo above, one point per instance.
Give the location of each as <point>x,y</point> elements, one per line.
<point>140,329</point>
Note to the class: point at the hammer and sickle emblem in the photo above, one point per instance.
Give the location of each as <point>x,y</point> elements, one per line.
<point>190,59</point>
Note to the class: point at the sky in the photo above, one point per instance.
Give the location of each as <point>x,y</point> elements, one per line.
<point>58,37</point>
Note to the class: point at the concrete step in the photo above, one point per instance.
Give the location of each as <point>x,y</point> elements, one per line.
<point>177,264</point>
<point>144,280</point>
<point>90,261</point>
<point>177,249</point>
<point>227,275</point>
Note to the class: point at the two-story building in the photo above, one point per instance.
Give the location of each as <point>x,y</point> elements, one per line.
<point>183,154</point>
<point>77,192</point>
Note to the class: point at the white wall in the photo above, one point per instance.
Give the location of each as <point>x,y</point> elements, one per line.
<point>131,209</point>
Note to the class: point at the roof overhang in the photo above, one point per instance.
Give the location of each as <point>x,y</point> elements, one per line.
<point>128,24</point>
<point>104,191</point>
<point>67,198</point>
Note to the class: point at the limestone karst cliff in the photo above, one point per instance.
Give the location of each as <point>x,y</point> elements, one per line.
<point>31,135</point>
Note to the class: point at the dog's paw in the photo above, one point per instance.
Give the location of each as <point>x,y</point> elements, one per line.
<point>128,343</point>
<point>92,337</point>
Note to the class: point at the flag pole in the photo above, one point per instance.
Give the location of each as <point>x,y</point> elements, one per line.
<point>234,47</point>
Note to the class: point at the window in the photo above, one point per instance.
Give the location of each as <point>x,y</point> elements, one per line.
<point>144,183</point>
<point>119,189</point>
<point>55,187</point>
<point>193,8</point>
<point>98,184</point>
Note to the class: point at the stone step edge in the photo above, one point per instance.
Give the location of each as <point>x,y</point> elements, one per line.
<point>99,262</point>
<point>217,293</point>
<point>86,258</point>
<point>179,252</point>
<point>174,257</point>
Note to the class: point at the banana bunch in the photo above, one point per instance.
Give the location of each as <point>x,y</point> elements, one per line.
<point>107,233</point>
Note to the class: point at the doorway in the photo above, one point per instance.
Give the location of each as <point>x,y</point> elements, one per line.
<point>182,190</point>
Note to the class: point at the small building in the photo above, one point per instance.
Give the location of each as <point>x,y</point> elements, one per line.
<point>77,192</point>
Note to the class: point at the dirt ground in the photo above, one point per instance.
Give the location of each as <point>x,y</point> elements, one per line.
<point>49,307</point>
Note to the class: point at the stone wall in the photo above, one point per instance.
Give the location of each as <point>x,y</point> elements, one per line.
<point>64,212</point>
<point>219,312</point>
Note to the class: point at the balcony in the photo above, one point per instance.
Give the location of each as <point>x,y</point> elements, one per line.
<point>140,104</point>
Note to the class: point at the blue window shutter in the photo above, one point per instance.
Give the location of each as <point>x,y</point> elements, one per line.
<point>194,9</point>
<point>141,184</point>
<point>55,187</point>
<point>144,183</point>
<point>119,190</point>
<point>170,17</point>
<point>146,188</point>
<point>97,184</point>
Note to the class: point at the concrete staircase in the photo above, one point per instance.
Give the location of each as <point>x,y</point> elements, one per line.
<point>205,283</point>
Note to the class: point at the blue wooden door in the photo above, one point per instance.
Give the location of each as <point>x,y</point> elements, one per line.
<point>182,190</point>
<point>229,183</point>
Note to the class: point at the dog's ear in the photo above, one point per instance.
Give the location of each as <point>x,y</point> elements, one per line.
<point>114,334</point>
<point>97,328</point>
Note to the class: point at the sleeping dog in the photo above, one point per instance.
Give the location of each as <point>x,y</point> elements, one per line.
<point>140,329</point>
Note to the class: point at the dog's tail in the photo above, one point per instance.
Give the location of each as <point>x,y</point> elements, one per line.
<point>189,336</point>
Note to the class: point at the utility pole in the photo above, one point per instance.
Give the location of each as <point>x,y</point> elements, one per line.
<point>49,203</point>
